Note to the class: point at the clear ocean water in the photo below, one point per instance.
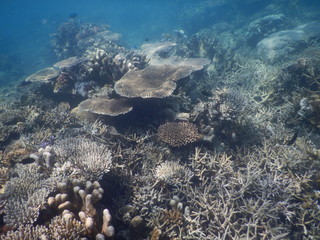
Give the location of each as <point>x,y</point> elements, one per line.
<point>26,26</point>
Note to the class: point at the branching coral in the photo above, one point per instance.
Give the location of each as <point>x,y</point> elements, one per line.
<point>218,116</point>
<point>83,158</point>
<point>25,194</point>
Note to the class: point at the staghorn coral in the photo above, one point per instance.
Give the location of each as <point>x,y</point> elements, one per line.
<point>170,218</point>
<point>264,189</point>
<point>178,134</point>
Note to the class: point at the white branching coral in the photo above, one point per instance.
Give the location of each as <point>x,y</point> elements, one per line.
<point>82,158</point>
<point>170,171</point>
<point>26,194</point>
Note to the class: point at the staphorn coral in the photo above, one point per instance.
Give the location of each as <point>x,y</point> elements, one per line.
<point>178,134</point>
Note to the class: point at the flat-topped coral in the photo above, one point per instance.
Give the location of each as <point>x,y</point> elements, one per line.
<point>105,106</point>
<point>45,75</point>
<point>151,82</point>
<point>69,63</point>
<point>160,53</point>
<point>178,134</point>
<point>157,49</point>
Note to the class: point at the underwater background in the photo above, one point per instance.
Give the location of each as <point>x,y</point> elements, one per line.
<point>160,120</point>
<point>26,28</point>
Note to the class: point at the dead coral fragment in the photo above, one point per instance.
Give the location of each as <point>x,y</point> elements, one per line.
<point>178,134</point>
<point>152,81</point>
<point>45,75</point>
<point>105,106</point>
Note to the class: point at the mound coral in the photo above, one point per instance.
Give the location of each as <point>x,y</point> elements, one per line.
<point>178,134</point>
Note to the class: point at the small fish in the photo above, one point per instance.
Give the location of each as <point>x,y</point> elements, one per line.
<point>44,21</point>
<point>73,15</point>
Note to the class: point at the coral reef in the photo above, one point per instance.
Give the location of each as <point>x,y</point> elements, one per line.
<point>164,143</point>
<point>73,202</point>
<point>67,41</point>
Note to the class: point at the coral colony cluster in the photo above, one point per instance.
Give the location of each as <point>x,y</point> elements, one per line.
<point>191,137</point>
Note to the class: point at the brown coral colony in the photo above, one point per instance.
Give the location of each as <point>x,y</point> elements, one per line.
<point>178,134</point>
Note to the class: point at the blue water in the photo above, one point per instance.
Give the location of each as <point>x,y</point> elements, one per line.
<point>26,26</point>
